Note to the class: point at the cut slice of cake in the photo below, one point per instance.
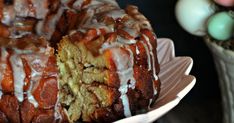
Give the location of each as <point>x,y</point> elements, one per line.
<point>108,66</point>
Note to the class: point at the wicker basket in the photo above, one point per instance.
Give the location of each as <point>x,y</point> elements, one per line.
<point>224,62</point>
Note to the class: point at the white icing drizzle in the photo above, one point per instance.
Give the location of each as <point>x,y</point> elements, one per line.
<point>53,22</point>
<point>126,41</point>
<point>36,74</point>
<point>1,94</point>
<point>41,8</point>
<point>65,1</point>
<point>19,75</point>
<point>112,2</point>
<point>152,55</point>
<point>132,80</point>
<point>78,4</point>
<point>96,25</point>
<point>37,8</point>
<point>19,72</point>
<point>8,15</point>
<point>35,77</point>
<point>130,23</point>
<point>137,50</point>
<point>18,51</point>
<point>131,32</point>
<point>94,4</point>
<point>100,3</point>
<point>120,42</point>
<point>115,14</point>
<point>108,45</point>
<point>57,114</point>
<point>148,55</point>
<point>50,25</point>
<point>124,65</point>
<point>18,34</point>
<point>153,62</point>
<point>125,101</point>
<point>31,98</point>
<point>150,101</point>
<point>89,17</point>
<point>4,55</point>
<point>22,9</point>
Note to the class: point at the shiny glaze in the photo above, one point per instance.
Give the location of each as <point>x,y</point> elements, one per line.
<point>127,31</point>
<point>32,72</point>
<point>19,75</point>
<point>4,55</point>
<point>124,65</point>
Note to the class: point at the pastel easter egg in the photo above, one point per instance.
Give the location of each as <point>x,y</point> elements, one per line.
<point>193,14</point>
<point>227,3</point>
<point>221,26</point>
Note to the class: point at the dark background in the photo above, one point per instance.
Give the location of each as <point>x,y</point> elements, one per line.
<point>203,103</point>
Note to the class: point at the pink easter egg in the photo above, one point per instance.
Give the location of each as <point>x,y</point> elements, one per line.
<point>226,3</point>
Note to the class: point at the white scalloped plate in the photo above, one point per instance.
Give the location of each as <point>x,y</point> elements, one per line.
<point>175,83</point>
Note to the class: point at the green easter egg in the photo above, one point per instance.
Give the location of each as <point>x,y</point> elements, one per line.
<point>221,25</point>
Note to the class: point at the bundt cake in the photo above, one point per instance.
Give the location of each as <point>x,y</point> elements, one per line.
<point>75,60</point>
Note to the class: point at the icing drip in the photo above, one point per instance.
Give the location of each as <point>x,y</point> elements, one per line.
<point>8,15</point>
<point>52,23</point>
<point>94,4</point>
<point>65,1</point>
<point>150,101</point>
<point>148,55</point>
<point>130,23</point>
<point>131,32</point>
<point>31,98</point>
<point>126,41</point>
<point>120,42</point>
<point>125,102</point>
<point>115,14</point>
<point>18,51</point>
<point>152,55</point>
<point>96,25</point>
<point>78,4</point>
<point>132,80</point>
<point>22,8</point>
<point>57,114</point>
<point>108,45</point>
<point>32,8</point>
<point>36,62</point>
<point>35,77</point>
<point>137,50</point>
<point>19,75</point>
<point>112,2</point>
<point>47,28</point>
<point>124,66</point>
<point>36,74</point>
<point>153,62</point>
<point>40,8</point>
<point>4,55</point>
<point>18,34</point>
